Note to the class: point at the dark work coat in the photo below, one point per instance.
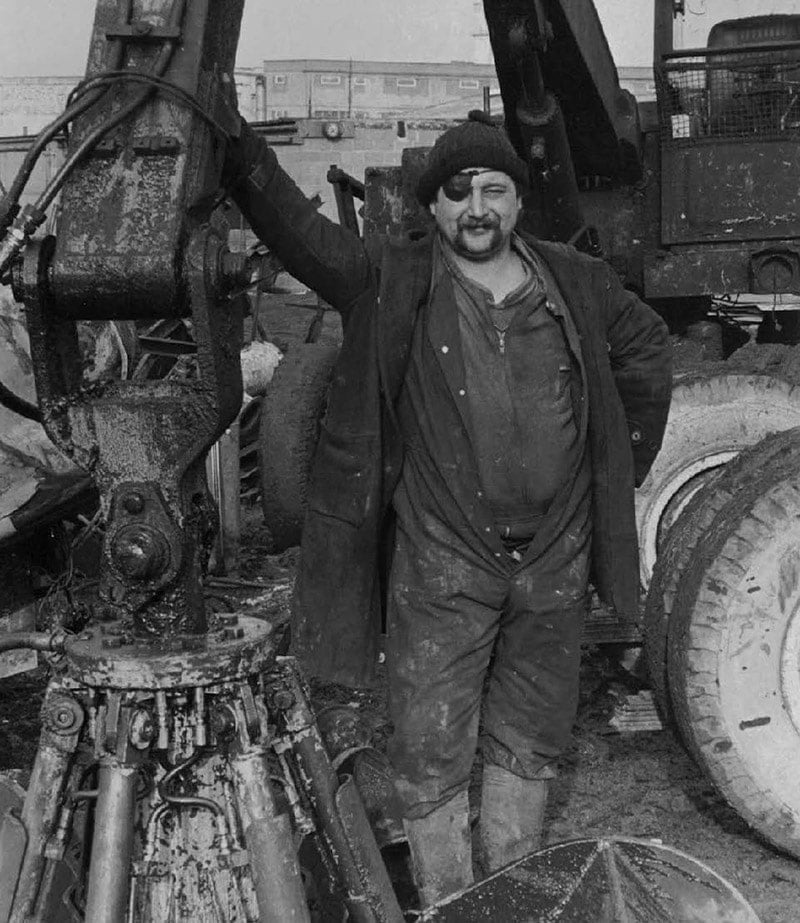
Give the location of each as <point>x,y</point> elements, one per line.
<point>360,453</point>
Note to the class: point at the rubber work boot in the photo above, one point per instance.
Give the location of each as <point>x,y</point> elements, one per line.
<point>512,817</point>
<point>441,850</point>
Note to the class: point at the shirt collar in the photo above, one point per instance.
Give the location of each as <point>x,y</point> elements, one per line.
<point>443,265</point>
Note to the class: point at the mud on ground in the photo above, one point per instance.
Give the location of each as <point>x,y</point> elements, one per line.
<point>641,784</point>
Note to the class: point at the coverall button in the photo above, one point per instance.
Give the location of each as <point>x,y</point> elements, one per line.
<point>636,436</point>
<point>445,349</point>
<point>462,392</point>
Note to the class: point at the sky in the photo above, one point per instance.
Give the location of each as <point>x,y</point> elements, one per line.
<point>51,37</point>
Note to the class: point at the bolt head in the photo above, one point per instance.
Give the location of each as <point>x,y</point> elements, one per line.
<point>140,552</point>
<point>133,502</point>
<point>283,699</point>
<point>142,729</point>
<point>62,717</point>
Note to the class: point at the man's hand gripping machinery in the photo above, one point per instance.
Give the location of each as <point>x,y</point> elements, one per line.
<point>181,744</point>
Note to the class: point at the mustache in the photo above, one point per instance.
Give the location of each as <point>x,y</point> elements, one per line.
<point>473,223</point>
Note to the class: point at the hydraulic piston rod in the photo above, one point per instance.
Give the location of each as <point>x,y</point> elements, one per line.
<point>112,847</point>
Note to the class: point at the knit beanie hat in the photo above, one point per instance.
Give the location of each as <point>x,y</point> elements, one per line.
<point>478,142</point>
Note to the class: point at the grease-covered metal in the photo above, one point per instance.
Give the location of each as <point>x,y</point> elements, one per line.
<point>176,753</point>
<point>110,654</point>
<point>343,822</point>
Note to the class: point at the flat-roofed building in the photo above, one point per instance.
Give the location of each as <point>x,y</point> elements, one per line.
<point>314,88</point>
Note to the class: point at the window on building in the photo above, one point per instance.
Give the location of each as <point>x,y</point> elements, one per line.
<point>330,80</point>
<point>360,81</point>
<point>406,81</point>
<point>468,85</point>
<point>279,80</point>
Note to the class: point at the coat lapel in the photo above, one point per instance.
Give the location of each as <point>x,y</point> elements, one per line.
<point>444,337</point>
<point>404,286</point>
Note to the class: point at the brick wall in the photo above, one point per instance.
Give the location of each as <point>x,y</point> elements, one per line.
<point>27,104</point>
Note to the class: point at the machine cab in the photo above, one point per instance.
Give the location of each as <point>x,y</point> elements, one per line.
<point>728,87</point>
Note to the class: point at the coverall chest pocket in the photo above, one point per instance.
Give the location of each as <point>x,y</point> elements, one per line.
<point>344,482</point>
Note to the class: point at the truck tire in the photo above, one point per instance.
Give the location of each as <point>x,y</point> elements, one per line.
<point>714,415</point>
<point>291,411</point>
<point>673,557</point>
<point>682,542</point>
<point>733,653</point>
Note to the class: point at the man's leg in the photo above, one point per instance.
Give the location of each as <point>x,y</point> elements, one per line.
<point>443,616</point>
<point>512,816</point>
<point>441,850</point>
<point>530,704</point>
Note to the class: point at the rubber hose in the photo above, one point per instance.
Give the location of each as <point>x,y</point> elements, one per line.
<point>33,640</point>
<point>19,405</point>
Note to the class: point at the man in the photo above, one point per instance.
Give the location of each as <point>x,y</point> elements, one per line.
<point>501,395</point>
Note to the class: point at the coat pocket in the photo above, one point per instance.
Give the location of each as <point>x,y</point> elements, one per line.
<point>345,476</point>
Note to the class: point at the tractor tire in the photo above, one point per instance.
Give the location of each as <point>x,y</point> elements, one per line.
<point>291,411</point>
<point>714,415</point>
<point>733,651</point>
<point>682,543</point>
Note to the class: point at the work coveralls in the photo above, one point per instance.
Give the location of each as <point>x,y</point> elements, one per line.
<point>506,428</point>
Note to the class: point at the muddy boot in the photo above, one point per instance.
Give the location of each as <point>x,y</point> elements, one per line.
<point>441,852</point>
<point>512,817</point>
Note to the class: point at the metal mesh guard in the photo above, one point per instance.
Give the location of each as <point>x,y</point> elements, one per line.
<point>741,95</point>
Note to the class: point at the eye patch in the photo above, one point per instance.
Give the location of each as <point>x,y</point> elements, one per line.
<point>458,187</point>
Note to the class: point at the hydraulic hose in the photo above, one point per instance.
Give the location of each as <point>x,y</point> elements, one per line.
<point>107,78</point>
<point>19,405</point>
<point>188,800</point>
<point>32,640</point>
<point>50,131</point>
<point>90,142</point>
<point>18,226</point>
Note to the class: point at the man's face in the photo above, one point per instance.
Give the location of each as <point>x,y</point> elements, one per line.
<point>476,210</point>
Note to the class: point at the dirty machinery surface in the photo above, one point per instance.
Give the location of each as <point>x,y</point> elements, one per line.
<point>180,772</point>
<point>162,728</point>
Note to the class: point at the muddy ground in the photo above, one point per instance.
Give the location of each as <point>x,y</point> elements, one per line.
<point>639,784</point>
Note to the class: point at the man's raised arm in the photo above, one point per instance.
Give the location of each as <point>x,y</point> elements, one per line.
<point>327,258</point>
